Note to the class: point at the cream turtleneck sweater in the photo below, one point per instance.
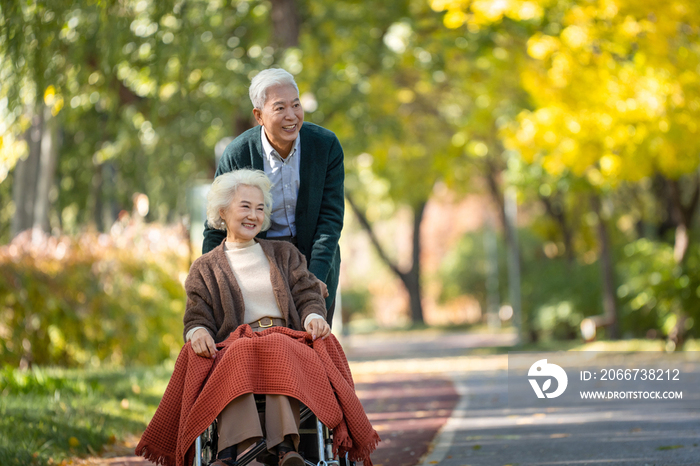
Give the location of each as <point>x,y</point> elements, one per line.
<point>252,271</point>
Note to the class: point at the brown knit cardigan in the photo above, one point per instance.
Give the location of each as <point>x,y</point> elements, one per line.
<point>215,301</point>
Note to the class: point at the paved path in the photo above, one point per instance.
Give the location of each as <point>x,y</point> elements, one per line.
<point>407,410</point>
<point>484,431</point>
<point>404,384</point>
<point>420,344</point>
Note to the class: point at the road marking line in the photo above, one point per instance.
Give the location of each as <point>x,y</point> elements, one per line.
<point>442,442</point>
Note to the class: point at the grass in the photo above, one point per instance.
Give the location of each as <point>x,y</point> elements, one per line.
<point>48,416</point>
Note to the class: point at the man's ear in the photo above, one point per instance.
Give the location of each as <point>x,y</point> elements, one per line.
<point>257,113</point>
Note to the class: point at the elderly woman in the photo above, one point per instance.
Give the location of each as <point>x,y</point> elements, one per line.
<point>243,281</point>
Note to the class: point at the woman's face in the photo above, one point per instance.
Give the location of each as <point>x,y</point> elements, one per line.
<point>245,214</point>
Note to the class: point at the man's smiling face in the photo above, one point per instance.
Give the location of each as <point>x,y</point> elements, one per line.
<point>282,117</point>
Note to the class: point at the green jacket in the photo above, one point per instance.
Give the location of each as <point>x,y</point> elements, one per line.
<point>320,204</point>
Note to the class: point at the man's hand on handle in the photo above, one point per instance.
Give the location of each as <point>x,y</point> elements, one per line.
<point>203,344</point>
<point>324,289</point>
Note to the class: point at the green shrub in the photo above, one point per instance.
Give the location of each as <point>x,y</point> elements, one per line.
<point>654,289</point>
<point>555,294</point>
<point>115,299</point>
<point>355,302</point>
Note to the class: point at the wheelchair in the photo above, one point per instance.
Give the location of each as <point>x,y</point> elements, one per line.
<point>315,443</point>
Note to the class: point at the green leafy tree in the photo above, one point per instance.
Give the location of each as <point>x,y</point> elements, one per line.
<point>415,105</point>
<point>613,102</point>
<point>123,91</point>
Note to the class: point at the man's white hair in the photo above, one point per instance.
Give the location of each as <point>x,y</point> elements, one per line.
<point>224,188</point>
<point>266,79</point>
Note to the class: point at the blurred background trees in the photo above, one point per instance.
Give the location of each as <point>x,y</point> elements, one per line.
<point>138,93</point>
<point>588,109</point>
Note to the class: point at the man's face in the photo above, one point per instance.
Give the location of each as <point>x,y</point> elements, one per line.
<point>282,117</point>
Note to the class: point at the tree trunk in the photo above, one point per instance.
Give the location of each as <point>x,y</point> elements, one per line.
<point>110,210</point>
<point>510,230</point>
<point>411,278</point>
<point>609,317</point>
<point>683,218</point>
<point>24,184</point>
<point>510,203</point>
<point>47,172</point>
<point>558,214</point>
<point>285,23</point>
<point>94,204</point>
<point>34,176</point>
<point>496,195</point>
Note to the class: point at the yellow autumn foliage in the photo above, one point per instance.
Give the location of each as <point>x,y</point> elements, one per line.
<point>615,85</point>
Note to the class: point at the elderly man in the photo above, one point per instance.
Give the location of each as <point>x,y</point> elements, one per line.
<point>305,164</point>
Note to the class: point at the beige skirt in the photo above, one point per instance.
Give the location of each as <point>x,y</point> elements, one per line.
<point>239,423</point>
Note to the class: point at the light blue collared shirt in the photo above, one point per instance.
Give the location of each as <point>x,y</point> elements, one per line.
<point>284,175</point>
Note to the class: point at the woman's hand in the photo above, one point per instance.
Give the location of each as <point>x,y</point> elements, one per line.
<point>318,328</point>
<point>203,344</point>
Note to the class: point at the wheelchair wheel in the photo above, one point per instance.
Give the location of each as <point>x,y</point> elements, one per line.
<point>209,441</point>
<point>344,461</point>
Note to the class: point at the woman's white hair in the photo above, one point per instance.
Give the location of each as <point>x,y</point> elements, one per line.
<point>224,188</point>
<point>266,79</point>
